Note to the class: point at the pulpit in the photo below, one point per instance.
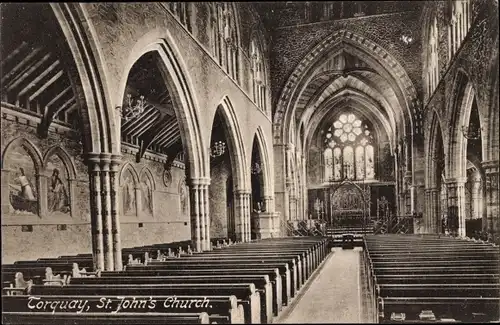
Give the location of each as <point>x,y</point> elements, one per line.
<point>264,225</point>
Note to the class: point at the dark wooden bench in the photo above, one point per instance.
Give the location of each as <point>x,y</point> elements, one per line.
<point>29,318</point>
<point>294,269</point>
<point>272,273</point>
<point>187,268</point>
<point>226,306</point>
<point>438,290</point>
<point>245,292</point>
<point>262,284</point>
<point>460,308</point>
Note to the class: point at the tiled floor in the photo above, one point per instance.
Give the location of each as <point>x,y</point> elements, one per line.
<point>334,295</point>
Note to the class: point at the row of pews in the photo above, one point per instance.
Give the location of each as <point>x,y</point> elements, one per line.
<point>233,283</point>
<point>424,278</point>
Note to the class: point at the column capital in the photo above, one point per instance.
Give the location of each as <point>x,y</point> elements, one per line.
<point>116,158</point>
<point>491,166</point>
<point>200,181</point>
<point>456,181</point>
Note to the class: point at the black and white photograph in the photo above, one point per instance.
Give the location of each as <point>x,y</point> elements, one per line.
<point>286,162</point>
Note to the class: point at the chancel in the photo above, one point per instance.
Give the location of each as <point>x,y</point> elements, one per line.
<point>253,162</point>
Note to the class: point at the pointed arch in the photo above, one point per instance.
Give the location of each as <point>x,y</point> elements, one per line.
<point>300,76</point>
<point>436,131</point>
<point>235,143</point>
<point>264,156</point>
<point>463,95</point>
<point>30,149</point>
<point>180,87</point>
<point>128,167</point>
<point>64,156</point>
<point>146,172</point>
<point>99,120</point>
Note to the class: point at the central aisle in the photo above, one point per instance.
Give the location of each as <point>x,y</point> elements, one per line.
<point>333,295</point>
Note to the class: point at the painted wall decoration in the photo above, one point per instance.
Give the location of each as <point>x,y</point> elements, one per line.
<point>184,196</point>
<point>167,178</point>
<point>58,198</point>
<point>346,198</point>
<point>128,195</point>
<point>23,193</point>
<point>146,195</point>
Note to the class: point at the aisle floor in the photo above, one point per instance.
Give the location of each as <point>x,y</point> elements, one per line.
<point>333,296</point>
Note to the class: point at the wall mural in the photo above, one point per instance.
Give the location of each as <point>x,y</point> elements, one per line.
<point>128,195</point>
<point>346,198</point>
<point>147,196</point>
<point>58,200</point>
<point>184,197</point>
<point>23,193</point>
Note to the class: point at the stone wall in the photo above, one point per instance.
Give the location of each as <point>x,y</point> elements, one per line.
<point>218,198</point>
<point>291,44</point>
<point>66,230</point>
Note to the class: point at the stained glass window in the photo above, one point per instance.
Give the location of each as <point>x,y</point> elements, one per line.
<point>353,150</point>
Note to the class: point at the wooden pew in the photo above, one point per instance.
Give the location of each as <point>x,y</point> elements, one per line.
<point>261,282</point>
<point>438,278</point>
<point>228,261</point>
<point>187,268</point>
<point>245,292</point>
<point>460,308</point>
<point>29,318</point>
<point>226,306</point>
<point>438,290</point>
<point>272,273</point>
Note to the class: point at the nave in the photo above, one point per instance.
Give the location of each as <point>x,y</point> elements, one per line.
<point>202,159</point>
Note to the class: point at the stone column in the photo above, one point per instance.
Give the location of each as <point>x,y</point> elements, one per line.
<point>95,211</point>
<point>427,210</point>
<point>248,217</point>
<point>203,202</point>
<point>206,215</point>
<point>106,212</point>
<point>268,203</point>
<point>435,221</point>
<point>196,215</point>
<point>115,217</point>
<point>476,198</point>
<point>491,169</point>
<point>239,215</point>
<point>456,198</point>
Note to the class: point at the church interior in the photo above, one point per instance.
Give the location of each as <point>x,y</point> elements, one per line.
<point>250,162</point>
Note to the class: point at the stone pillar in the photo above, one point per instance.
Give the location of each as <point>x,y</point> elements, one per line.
<point>196,215</point>
<point>239,217</point>
<point>115,217</point>
<point>207,221</point>
<point>491,169</point>
<point>203,202</point>
<point>476,198</point>
<point>435,198</point>
<point>268,203</point>
<point>248,217</point>
<point>106,212</point>
<point>95,211</point>
<point>456,200</point>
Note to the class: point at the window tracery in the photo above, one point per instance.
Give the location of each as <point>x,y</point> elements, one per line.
<point>349,152</point>
<point>459,24</point>
<point>257,74</point>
